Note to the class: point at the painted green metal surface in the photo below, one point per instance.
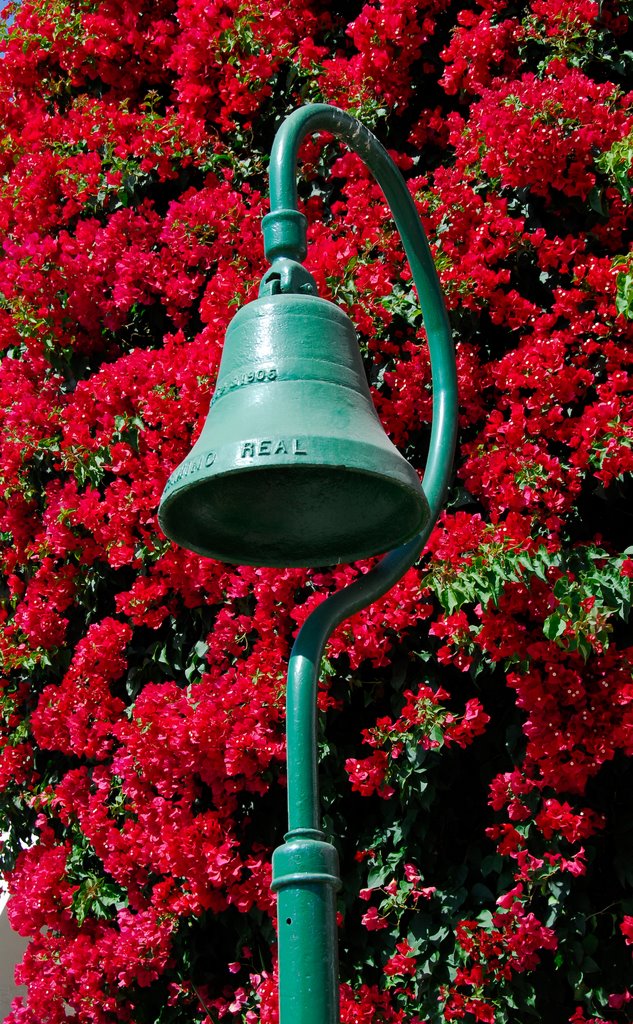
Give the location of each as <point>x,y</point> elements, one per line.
<point>285,244</point>
<point>312,346</point>
<point>306,880</point>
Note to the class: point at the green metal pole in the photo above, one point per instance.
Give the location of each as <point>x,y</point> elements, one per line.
<point>305,868</point>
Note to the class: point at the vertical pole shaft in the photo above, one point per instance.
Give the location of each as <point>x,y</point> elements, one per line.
<point>306,880</point>
<point>305,869</point>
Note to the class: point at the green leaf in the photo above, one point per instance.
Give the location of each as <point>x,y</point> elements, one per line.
<point>481,894</point>
<point>377,876</point>
<point>554,626</point>
<point>96,897</point>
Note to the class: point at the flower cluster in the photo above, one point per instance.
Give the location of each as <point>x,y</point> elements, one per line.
<point>477,740</point>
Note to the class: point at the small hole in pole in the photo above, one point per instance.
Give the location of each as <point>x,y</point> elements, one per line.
<point>288,920</point>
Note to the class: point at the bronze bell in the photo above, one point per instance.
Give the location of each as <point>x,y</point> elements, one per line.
<point>293,467</point>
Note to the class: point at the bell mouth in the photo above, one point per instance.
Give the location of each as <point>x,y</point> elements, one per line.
<point>292,516</point>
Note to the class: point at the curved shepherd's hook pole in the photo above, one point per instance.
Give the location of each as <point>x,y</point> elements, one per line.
<point>305,872</point>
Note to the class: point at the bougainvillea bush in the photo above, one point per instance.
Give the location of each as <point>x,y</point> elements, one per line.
<point>477,722</point>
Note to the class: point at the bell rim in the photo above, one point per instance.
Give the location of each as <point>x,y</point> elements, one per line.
<point>416,496</point>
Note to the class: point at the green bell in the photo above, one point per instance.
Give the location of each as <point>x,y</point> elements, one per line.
<point>293,467</point>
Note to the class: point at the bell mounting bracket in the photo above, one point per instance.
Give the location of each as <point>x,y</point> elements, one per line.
<point>286,248</point>
<point>305,872</point>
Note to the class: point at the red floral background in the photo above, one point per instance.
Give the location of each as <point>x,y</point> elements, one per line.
<point>477,722</point>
